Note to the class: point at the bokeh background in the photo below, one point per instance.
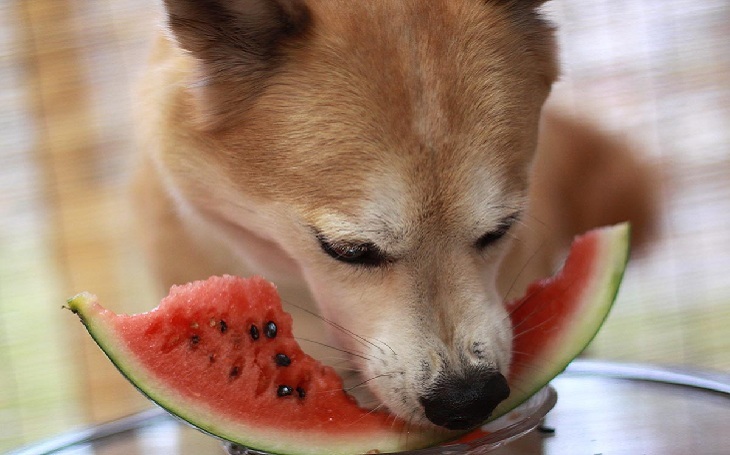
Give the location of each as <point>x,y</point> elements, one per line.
<point>654,71</point>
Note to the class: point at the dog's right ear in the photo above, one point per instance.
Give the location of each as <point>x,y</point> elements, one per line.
<point>243,33</point>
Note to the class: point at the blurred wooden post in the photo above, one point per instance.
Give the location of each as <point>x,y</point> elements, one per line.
<point>79,203</point>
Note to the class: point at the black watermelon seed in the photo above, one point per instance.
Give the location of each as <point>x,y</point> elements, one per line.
<point>194,340</point>
<point>211,357</point>
<point>546,430</point>
<point>283,391</point>
<point>282,360</point>
<point>235,371</point>
<point>254,332</point>
<point>223,326</point>
<point>301,392</point>
<point>270,329</point>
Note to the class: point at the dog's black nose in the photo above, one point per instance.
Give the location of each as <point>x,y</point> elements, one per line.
<point>461,401</point>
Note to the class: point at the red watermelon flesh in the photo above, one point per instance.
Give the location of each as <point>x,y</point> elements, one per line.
<point>559,316</point>
<point>222,367</point>
<point>197,356</point>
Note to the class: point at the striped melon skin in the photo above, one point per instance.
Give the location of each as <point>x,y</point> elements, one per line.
<point>553,323</point>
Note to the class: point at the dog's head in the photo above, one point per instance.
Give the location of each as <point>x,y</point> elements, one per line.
<point>384,147</point>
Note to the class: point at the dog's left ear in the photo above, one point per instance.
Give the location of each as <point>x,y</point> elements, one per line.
<point>241,32</point>
<point>238,44</point>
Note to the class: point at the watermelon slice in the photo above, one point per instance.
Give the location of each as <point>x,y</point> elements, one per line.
<point>221,355</point>
<point>559,316</point>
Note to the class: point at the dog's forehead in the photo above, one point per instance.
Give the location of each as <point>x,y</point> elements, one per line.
<point>439,62</point>
<point>435,107</point>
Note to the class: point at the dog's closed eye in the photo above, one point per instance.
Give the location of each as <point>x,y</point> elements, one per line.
<point>366,253</point>
<point>501,230</point>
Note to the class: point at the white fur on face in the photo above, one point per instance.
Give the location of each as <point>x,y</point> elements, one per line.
<point>434,308</point>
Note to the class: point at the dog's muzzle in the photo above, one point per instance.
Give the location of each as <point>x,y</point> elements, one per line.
<point>462,401</point>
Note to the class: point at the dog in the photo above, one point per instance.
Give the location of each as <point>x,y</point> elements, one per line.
<point>389,165</point>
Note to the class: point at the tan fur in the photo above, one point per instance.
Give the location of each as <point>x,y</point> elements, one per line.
<point>408,124</point>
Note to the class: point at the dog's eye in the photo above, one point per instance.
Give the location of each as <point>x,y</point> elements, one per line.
<point>353,253</point>
<point>490,237</point>
<point>493,236</point>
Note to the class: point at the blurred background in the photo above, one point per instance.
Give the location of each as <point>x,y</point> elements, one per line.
<point>655,71</point>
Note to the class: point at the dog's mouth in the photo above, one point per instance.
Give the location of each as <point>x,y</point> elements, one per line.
<point>453,402</point>
<point>433,393</point>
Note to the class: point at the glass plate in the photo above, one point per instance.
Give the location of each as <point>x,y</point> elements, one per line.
<point>507,428</point>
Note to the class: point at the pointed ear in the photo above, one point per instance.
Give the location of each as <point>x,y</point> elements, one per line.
<point>236,32</point>
<point>238,44</point>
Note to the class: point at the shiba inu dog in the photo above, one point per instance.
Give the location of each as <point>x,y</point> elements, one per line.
<point>377,160</point>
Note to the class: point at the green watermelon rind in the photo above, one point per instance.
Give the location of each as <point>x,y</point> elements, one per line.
<point>598,299</point>
<point>271,440</point>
